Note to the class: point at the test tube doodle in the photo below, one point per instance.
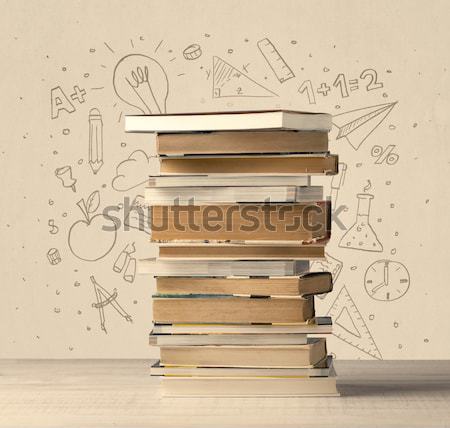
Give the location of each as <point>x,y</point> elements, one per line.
<point>95,140</point>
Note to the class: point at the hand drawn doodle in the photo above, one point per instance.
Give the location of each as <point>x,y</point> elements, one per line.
<point>349,326</point>
<point>323,89</point>
<point>78,94</point>
<point>53,256</point>
<point>192,52</point>
<point>95,140</point>
<point>65,175</point>
<point>138,216</point>
<point>330,264</point>
<point>105,298</point>
<point>126,263</point>
<point>306,86</point>
<point>141,82</point>
<point>59,101</point>
<point>361,235</point>
<point>275,60</point>
<point>336,183</point>
<point>372,76</point>
<point>385,155</point>
<point>228,81</point>
<point>386,280</point>
<point>53,228</point>
<point>357,125</point>
<point>93,237</point>
<point>133,171</point>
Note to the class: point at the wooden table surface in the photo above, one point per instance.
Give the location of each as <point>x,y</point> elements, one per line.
<point>120,393</point>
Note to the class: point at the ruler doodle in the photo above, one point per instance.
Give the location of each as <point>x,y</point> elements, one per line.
<point>276,62</point>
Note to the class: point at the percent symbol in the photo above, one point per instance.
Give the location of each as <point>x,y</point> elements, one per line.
<point>385,155</point>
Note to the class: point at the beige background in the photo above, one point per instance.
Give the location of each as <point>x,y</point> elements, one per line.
<point>46,310</point>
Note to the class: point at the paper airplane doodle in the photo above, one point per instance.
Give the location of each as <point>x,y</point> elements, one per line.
<point>349,326</point>
<point>228,81</point>
<point>357,125</point>
<point>105,298</point>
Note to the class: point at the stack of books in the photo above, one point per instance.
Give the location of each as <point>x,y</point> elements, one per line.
<point>237,222</point>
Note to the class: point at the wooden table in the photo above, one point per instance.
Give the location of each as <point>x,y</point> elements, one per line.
<point>120,393</point>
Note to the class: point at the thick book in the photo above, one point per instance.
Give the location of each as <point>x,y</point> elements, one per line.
<point>208,268</point>
<point>226,339</point>
<point>242,142</point>
<point>320,370</point>
<point>171,309</point>
<point>293,356</point>
<point>217,194</point>
<point>299,222</point>
<point>318,325</point>
<point>230,251</point>
<point>190,386</point>
<point>306,284</point>
<point>228,180</point>
<point>229,121</point>
<point>319,164</point>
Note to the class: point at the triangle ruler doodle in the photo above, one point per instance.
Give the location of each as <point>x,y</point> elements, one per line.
<point>228,81</point>
<point>356,125</point>
<point>349,326</point>
<point>105,298</point>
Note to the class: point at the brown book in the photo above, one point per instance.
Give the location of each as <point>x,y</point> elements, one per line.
<point>250,164</point>
<point>292,356</point>
<point>248,252</point>
<point>308,283</point>
<point>301,222</point>
<point>242,142</point>
<point>231,309</point>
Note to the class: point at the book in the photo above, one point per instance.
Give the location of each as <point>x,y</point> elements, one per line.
<point>249,251</point>
<point>231,309</point>
<point>226,339</point>
<point>228,180</point>
<point>190,386</point>
<point>318,325</point>
<point>211,195</point>
<point>292,356</point>
<point>319,370</point>
<point>242,142</point>
<point>300,222</point>
<point>305,284</point>
<point>229,121</point>
<point>178,267</point>
<point>324,164</point>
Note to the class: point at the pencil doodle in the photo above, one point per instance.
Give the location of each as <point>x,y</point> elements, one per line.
<point>105,298</point>
<point>357,125</point>
<point>192,52</point>
<point>385,155</point>
<point>133,171</point>
<point>361,235</point>
<point>349,325</point>
<point>336,183</point>
<point>138,217</point>
<point>141,82</point>
<point>53,256</point>
<point>228,81</point>
<point>330,264</point>
<point>53,228</point>
<point>95,140</point>
<point>65,175</point>
<point>276,62</point>
<point>93,237</point>
<point>124,262</point>
<point>386,280</point>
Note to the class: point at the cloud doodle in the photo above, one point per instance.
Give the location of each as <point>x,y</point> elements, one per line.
<point>132,172</point>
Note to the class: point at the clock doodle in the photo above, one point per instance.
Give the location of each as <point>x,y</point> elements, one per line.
<point>386,280</point>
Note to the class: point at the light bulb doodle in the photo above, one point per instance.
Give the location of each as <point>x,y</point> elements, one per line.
<point>65,175</point>
<point>141,82</point>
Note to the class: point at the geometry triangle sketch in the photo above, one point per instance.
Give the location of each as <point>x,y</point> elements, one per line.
<point>356,125</point>
<point>228,81</point>
<point>349,325</point>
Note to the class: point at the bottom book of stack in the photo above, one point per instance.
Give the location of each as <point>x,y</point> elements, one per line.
<point>242,344</point>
